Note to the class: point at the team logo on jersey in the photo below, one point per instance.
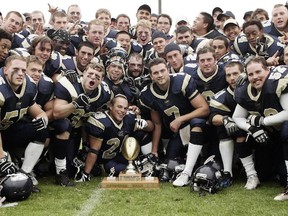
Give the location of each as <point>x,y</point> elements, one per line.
<point>121,133</point>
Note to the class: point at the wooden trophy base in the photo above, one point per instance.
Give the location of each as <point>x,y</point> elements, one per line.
<point>126,181</point>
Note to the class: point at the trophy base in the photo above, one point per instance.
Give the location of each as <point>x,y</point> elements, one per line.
<point>126,181</point>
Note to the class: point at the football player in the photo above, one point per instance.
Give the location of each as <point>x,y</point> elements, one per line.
<point>262,111</point>
<point>83,56</point>
<point>107,131</point>
<point>5,46</point>
<point>222,50</point>
<point>222,106</point>
<point>255,42</point>
<point>76,102</point>
<point>13,23</point>
<point>18,93</point>
<point>116,69</point>
<point>176,105</point>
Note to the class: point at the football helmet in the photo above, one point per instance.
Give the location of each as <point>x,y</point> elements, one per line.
<point>117,54</point>
<point>207,178</point>
<point>16,187</point>
<point>214,162</point>
<point>147,164</point>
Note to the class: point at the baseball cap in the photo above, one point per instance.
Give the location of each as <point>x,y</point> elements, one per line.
<point>217,9</point>
<point>182,19</point>
<point>247,13</point>
<point>225,14</point>
<point>230,22</point>
<point>170,47</point>
<point>145,7</point>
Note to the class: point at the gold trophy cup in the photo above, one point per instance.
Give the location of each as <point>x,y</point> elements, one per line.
<point>130,151</point>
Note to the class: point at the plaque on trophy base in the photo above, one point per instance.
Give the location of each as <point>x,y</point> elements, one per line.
<point>149,183</point>
<point>130,178</point>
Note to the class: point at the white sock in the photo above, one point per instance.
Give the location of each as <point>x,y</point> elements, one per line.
<point>60,164</point>
<point>248,165</point>
<point>32,153</point>
<point>226,148</point>
<point>192,155</point>
<point>286,164</point>
<point>147,148</point>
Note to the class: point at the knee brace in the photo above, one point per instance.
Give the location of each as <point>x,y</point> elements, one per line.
<point>196,138</point>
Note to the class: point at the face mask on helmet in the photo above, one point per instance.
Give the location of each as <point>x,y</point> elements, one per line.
<point>16,187</point>
<point>147,165</point>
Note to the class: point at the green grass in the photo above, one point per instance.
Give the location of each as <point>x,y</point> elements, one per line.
<point>235,200</point>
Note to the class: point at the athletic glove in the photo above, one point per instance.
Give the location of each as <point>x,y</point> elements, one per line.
<point>39,123</point>
<point>141,124</point>
<point>242,78</point>
<point>7,167</point>
<point>258,134</point>
<point>71,75</point>
<point>255,120</point>
<point>81,102</point>
<point>230,125</point>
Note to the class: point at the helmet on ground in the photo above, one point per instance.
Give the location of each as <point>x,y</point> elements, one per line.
<point>206,178</point>
<point>16,187</point>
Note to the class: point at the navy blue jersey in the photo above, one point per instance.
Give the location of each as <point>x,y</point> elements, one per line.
<point>17,39</point>
<point>70,63</point>
<point>14,106</point>
<point>209,86</point>
<point>175,101</point>
<point>266,102</point>
<point>120,88</point>
<point>111,34</point>
<point>223,102</point>
<point>101,125</point>
<point>45,89</point>
<point>212,34</point>
<point>68,91</point>
<point>53,65</point>
<point>265,49</point>
<point>269,28</point>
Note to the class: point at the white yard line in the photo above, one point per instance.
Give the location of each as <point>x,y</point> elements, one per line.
<point>91,202</point>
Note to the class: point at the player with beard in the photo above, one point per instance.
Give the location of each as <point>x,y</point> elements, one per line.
<point>262,112</point>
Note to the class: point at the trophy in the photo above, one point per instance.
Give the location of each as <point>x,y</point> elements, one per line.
<point>130,178</point>
<point>130,151</point>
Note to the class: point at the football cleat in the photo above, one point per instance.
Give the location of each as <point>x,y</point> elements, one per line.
<point>181,180</point>
<point>283,196</point>
<point>62,179</point>
<point>82,177</point>
<point>252,182</point>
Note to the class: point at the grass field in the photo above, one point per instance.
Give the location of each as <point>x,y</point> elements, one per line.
<point>88,199</point>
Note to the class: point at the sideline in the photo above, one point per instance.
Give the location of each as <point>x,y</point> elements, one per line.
<point>91,202</point>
